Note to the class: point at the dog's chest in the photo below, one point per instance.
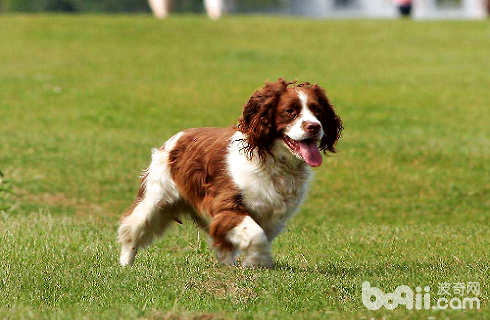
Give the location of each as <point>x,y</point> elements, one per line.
<point>273,193</point>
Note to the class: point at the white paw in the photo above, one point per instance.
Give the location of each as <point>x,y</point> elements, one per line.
<point>226,257</point>
<point>127,255</point>
<point>254,259</point>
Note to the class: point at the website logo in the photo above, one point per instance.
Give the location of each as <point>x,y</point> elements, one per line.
<point>455,296</point>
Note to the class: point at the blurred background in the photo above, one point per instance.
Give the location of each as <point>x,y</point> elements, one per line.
<point>419,9</point>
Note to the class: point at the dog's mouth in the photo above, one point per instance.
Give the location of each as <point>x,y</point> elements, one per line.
<point>306,149</point>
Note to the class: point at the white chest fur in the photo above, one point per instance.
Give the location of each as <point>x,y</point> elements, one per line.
<point>272,191</point>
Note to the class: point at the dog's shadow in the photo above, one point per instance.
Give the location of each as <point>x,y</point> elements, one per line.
<point>333,269</point>
<point>330,269</point>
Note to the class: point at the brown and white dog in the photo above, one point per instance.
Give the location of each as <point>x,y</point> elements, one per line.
<point>240,184</point>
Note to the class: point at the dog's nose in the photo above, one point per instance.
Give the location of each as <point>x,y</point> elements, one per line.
<point>312,127</point>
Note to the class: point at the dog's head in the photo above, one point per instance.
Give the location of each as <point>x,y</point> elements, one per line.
<point>297,117</point>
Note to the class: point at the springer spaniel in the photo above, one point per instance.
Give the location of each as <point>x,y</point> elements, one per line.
<point>240,184</point>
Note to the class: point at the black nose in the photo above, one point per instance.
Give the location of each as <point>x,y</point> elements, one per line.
<point>312,127</point>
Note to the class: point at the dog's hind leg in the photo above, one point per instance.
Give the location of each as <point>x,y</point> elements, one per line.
<point>155,208</point>
<point>138,230</point>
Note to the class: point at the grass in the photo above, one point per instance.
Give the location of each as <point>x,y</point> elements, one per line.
<point>406,201</point>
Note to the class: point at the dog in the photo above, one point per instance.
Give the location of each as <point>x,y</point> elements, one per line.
<point>240,184</point>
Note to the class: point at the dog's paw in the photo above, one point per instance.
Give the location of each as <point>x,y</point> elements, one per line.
<point>127,255</point>
<point>263,260</point>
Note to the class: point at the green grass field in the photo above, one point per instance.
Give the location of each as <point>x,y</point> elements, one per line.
<point>406,201</point>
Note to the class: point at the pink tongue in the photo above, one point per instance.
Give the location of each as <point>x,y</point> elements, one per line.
<point>309,151</point>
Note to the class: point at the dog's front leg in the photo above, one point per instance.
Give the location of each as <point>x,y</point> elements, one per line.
<point>233,232</point>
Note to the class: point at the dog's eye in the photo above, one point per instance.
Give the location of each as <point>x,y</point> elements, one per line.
<point>317,109</point>
<point>290,111</point>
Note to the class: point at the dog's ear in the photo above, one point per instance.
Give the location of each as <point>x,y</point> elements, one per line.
<point>331,123</point>
<point>257,121</point>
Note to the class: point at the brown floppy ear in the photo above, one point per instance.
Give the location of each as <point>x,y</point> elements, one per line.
<point>331,123</point>
<point>257,121</point>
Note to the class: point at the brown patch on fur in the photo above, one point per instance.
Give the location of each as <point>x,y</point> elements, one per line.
<point>257,121</point>
<point>321,107</point>
<point>198,168</point>
<point>222,224</point>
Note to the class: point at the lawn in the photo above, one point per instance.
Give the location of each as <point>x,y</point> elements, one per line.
<point>405,201</point>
